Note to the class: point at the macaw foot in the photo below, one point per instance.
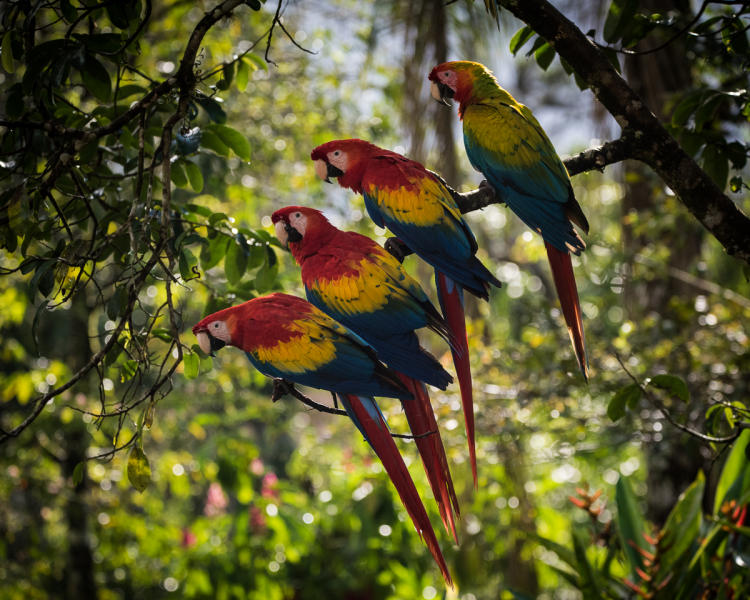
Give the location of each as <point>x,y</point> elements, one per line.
<point>397,248</point>
<point>281,388</point>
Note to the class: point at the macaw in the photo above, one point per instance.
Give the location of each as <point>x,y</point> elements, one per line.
<point>287,337</point>
<point>354,280</point>
<point>509,147</point>
<point>416,205</point>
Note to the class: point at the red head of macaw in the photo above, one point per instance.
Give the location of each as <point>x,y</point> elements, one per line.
<point>416,205</point>
<point>354,280</point>
<point>509,147</point>
<point>286,337</point>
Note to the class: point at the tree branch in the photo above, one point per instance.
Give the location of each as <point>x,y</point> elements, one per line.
<point>653,144</point>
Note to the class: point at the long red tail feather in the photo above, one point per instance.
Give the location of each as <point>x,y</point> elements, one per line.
<point>562,272</point>
<point>424,427</point>
<point>376,431</point>
<point>451,301</point>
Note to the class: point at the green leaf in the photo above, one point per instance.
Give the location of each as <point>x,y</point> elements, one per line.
<point>734,480</point>
<point>194,175</point>
<point>672,384</point>
<point>163,334</point>
<point>243,75</point>
<point>544,56</point>
<point>213,109</point>
<point>139,471</point>
<point>265,278</point>
<point>630,525</point>
<point>619,19</point>
<point>186,263</point>
<point>716,164</point>
<point>234,139</point>
<point>212,253</point>
<point>7,53</point>
<point>177,174</point>
<point>117,302</point>
<point>521,36</point>
<point>686,107</point>
<point>211,141</point>
<point>586,571</point>
<point>78,472</point>
<point>683,524</point>
<point>235,262</point>
<point>96,79</point>
<point>191,365</point>
<point>627,396</point>
<point>706,112</point>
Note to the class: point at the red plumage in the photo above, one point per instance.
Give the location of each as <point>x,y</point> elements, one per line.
<point>565,283</point>
<point>384,446</point>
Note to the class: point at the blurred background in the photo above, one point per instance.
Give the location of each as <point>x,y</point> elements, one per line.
<point>253,499</point>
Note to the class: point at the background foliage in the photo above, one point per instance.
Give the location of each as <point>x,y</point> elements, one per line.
<point>149,470</point>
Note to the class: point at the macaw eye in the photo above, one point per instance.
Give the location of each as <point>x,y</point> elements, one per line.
<point>216,325</point>
<point>297,215</point>
<point>337,152</point>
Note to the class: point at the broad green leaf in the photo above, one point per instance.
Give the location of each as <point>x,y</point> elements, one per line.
<point>619,19</point>
<point>630,525</point>
<point>96,79</point>
<point>187,263</point>
<point>544,56</point>
<point>627,396</point>
<point>685,108</point>
<point>234,139</point>
<point>191,364</point>
<point>706,111</point>
<point>211,141</point>
<point>78,472</point>
<point>672,384</point>
<point>734,480</point>
<point>212,253</point>
<point>162,334</point>
<point>177,174</point>
<point>213,109</point>
<point>243,75</point>
<point>683,524</point>
<point>235,262</point>
<point>716,164</point>
<point>521,36</point>
<point>139,471</point>
<point>7,53</point>
<point>194,176</point>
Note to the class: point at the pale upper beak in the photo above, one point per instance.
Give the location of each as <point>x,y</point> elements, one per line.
<point>204,341</point>
<point>321,169</point>
<point>280,229</point>
<point>435,91</point>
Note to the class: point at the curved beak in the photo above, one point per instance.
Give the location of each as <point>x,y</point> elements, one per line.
<point>325,170</point>
<point>208,343</point>
<point>441,92</point>
<point>286,233</point>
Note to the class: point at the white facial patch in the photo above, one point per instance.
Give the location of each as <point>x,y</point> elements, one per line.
<point>338,159</point>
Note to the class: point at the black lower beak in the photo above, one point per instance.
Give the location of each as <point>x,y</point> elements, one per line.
<point>292,234</point>
<point>216,344</point>
<point>446,93</point>
<point>332,171</point>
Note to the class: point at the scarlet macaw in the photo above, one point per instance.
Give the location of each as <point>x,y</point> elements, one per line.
<point>415,204</point>
<point>508,146</point>
<point>286,337</point>
<point>354,280</point>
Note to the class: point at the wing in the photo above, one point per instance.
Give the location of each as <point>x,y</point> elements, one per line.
<point>318,352</point>
<point>368,291</point>
<point>507,145</point>
<point>404,197</point>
